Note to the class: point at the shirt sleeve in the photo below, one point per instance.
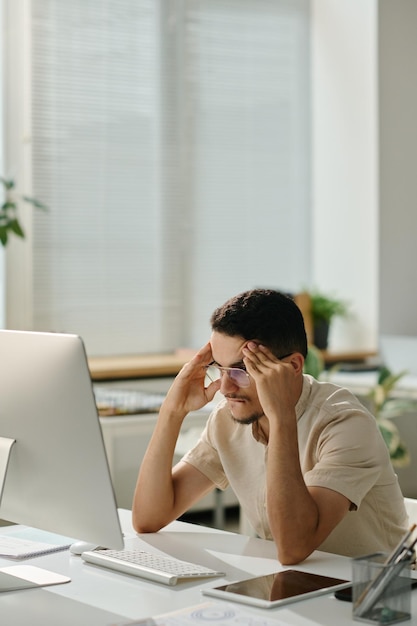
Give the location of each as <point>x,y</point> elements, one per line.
<point>350,456</point>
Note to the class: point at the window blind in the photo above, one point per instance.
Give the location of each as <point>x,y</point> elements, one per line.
<point>171,142</point>
<point>247,80</point>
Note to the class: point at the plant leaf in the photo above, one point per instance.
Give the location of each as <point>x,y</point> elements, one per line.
<point>388,379</point>
<point>401,456</point>
<point>383,374</point>
<point>393,407</point>
<point>314,363</point>
<point>3,235</point>
<point>390,434</point>
<point>15,227</point>
<point>36,203</point>
<point>7,183</point>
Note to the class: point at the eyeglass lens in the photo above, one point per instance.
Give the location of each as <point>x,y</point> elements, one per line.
<point>239,376</point>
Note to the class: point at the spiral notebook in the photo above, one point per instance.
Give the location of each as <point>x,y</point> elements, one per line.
<point>25,543</point>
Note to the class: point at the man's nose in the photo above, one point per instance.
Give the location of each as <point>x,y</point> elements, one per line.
<point>227,385</point>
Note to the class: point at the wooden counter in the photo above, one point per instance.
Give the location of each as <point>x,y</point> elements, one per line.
<point>136,366</point>
<point>158,365</point>
<point>356,356</point>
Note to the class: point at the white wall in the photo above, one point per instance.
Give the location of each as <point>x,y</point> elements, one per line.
<point>398,166</point>
<point>345,163</point>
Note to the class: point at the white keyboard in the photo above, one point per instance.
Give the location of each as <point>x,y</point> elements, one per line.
<point>156,567</point>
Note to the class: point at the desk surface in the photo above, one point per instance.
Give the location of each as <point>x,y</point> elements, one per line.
<point>99,597</point>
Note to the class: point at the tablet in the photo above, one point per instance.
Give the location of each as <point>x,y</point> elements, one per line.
<point>277,589</point>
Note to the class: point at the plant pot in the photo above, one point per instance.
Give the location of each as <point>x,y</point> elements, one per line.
<point>321,334</point>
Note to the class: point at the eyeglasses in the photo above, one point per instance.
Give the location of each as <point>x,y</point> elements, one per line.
<point>238,375</point>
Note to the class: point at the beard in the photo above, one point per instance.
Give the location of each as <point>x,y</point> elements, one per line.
<point>245,421</point>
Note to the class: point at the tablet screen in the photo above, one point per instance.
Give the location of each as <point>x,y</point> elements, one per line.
<point>278,588</point>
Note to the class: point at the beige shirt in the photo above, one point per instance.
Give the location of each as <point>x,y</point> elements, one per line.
<point>341,448</point>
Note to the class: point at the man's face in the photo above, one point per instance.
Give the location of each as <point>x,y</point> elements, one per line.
<point>242,401</point>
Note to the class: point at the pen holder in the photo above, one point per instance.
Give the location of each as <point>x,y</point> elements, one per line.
<point>381,590</point>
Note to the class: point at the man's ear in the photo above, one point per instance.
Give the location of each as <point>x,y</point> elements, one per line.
<point>297,361</point>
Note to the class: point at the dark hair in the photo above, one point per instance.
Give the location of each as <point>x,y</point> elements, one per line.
<point>264,315</point>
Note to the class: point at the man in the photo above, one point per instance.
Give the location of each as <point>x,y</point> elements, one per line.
<point>305,459</point>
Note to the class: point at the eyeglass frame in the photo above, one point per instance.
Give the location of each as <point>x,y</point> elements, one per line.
<point>240,370</point>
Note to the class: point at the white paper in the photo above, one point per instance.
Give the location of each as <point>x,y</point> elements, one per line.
<point>216,614</point>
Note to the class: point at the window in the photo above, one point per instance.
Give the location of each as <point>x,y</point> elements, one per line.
<point>171,141</point>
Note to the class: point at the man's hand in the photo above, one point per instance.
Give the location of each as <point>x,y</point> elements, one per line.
<point>188,393</point>
<point>277,381</point>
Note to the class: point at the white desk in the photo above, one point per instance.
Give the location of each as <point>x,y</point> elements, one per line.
<point>99,597</point>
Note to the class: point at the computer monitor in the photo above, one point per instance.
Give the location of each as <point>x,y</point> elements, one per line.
<point>57,477</point>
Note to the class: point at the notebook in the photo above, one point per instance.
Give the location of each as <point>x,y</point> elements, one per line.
<point>25,543</point>
<point>111,401</point>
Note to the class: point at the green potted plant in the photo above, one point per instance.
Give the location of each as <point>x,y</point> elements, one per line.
<point>379,402</point>
<point>314,362</point>
<point>384,407</point>
<point>9,211</point>
<point>323,309</point>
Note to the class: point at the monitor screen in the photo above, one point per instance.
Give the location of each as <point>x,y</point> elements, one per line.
<point>57,478</point>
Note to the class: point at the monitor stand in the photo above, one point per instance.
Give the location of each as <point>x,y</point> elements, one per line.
<point>7,581</point>
<point>5,449</point>
<point>13,583</point>
<point>15,577</point>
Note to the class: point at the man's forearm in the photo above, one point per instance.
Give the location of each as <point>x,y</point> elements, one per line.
<point>153,502</point>
<point>292,512</point>
<point>300,517</point>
